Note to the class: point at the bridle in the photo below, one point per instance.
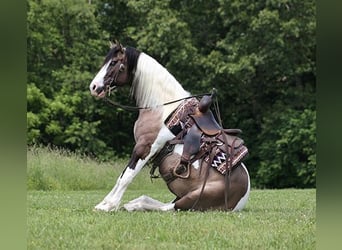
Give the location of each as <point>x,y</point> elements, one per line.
<point>116,67</point>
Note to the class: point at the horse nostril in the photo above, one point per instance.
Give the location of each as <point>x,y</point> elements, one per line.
<point>99,90</point>
<point>94,87</point>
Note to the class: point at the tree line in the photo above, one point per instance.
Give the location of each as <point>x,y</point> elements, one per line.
<point>260,55</point>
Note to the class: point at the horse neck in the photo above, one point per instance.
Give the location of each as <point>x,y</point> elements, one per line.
<point>153,85</point>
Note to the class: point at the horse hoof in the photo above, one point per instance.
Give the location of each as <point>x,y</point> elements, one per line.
<point>130,207</point>
<point>103,206</point>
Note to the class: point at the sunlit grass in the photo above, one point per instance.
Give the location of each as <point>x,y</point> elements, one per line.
<point>62,216</point>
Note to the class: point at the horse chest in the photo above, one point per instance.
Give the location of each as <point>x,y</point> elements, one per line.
<point>148,125</point>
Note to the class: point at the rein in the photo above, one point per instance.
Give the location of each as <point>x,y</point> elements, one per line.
<point>135,108</point>
<point>229,160</point>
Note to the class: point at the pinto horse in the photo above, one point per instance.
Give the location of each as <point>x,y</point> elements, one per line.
<point>193,154</point>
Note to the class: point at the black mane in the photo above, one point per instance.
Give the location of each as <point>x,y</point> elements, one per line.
<point>132,56</point>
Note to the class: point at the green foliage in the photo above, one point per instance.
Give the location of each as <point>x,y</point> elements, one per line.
<point>64,46</point>
<point>292,150</point>
<point>259,55</point>
<point>36,116</point>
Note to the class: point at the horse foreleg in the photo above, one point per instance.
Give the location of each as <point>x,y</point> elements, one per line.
<point>145,203</point>
<point>112,200</point>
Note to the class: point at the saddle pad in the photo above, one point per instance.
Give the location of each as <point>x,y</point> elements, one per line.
<point>181,113</point>
<point>220,160</point>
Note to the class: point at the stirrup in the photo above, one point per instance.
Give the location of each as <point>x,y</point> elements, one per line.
<point>185,167</point>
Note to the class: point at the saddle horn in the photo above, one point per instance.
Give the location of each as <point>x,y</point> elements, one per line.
<point>206,101</point>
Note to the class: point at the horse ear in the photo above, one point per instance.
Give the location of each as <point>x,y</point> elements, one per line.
<point>111,44</point>
<point>119,45</point>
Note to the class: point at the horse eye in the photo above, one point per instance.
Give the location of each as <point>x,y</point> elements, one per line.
<point>112,63</point>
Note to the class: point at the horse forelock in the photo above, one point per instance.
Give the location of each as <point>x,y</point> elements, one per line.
<point>111,53</point>
<point>153,85</point>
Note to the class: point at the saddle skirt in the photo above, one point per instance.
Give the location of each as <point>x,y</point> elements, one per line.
<point>236,154</point>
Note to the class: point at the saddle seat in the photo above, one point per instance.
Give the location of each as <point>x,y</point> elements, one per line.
<point>204,118</point>
<point>206,123</point>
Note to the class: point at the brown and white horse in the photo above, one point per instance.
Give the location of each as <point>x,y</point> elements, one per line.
<point>152,85</point>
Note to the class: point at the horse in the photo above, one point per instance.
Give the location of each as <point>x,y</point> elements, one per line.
<point>195,156</point>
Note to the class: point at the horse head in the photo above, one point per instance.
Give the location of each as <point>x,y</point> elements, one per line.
<point>116,71</point>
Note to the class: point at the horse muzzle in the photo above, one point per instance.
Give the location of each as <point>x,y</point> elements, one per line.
<point>97,91</point>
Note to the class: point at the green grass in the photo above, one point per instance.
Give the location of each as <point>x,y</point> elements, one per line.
<point>61,216</point>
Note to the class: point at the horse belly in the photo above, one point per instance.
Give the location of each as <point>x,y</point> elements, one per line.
<point>177,186</point>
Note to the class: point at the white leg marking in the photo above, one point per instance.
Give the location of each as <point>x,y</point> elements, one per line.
<point>243,201</point>
<point>112,201</point>
<point>145,203</point>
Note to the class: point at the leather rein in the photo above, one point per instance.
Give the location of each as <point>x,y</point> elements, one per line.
<point>135,108</point>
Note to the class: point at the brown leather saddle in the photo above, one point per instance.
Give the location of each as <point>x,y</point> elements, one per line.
<point>205,125</point>
<point>203,138</point>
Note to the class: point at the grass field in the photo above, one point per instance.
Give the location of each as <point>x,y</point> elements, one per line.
<point>60,213</point>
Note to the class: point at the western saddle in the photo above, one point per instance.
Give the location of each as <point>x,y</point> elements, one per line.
<point>203,138</point>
